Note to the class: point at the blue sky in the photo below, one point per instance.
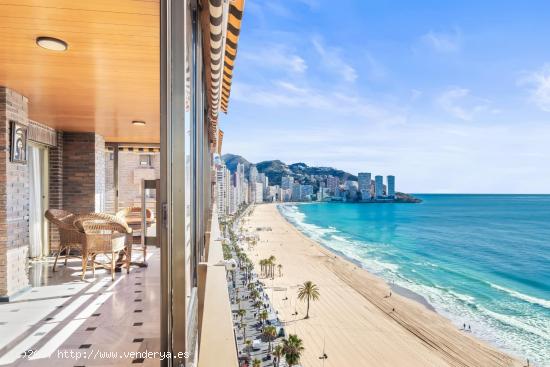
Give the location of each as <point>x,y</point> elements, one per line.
<point>449,96</point>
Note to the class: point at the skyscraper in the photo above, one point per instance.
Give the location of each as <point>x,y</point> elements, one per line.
<point>306,191</point>
<point>364,181</point>
<point>223,185</point>
<point>259,194</point>
<point>378,187</point>
<point>364,185</point>
<point>332,184</point>
<point>391,187</point>
<point>296,192</point>
<point>286,182</point>
<point>253,174</point>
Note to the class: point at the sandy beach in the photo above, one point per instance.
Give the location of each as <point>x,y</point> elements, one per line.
<point>355,320</point>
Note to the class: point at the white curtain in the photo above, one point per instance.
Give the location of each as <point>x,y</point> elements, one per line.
<point>35,209</point>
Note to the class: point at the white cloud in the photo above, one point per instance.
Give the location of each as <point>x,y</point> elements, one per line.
<point>331,59</point>
<point>285,94</point>
<point>443,42</point>
<point>276,56</point>
<point>461,104</point>
<point>539,83</point>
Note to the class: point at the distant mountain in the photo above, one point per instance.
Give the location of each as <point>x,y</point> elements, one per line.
<point>231,161</point>
<point>276,169</point>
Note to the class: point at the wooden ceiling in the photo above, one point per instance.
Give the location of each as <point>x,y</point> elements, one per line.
<point>109,75</point>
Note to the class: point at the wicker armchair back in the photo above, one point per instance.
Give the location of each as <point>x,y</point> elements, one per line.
<point>69,235</point>
<point>103,234</point>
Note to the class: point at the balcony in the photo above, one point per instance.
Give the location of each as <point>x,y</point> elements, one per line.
<point>217,340</point>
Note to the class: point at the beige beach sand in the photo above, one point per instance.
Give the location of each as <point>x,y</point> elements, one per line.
<point>353,318</point>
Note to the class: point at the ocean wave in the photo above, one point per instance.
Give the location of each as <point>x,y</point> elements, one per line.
<point>464,298</point>
<point>513,321</point>
<point>524,297</point>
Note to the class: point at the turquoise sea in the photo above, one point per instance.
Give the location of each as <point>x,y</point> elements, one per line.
<point>482,260</point>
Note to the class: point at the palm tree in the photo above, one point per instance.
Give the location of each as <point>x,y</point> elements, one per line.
<point>248,344</point>
<point>263,316</point>
<point>278,353</point>
<point>258,305</point>
<point>241,313</point>
<point>256,363</point>
<point>270,332</point>
<point>265,263</point>
<point>280,268</point>
<point>308,291</point>
<point>243,326</point>
<point>254,294</point>
<point>292,349</point>
<point>272,264</point>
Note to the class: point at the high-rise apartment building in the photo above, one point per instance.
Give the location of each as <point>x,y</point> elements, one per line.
<point>287,182</point>
<point>296,192</point>
<point>365,185</point>
<point>364,181</point>
<point>223,186</point>
<point>391,187</point>
<point>253,174</point>
<point>259,194</point>
<point>332,184</point>
<point>378,187</point>
<point>306,192</point>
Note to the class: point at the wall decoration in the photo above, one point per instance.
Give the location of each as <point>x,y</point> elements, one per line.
<point>18,147</point>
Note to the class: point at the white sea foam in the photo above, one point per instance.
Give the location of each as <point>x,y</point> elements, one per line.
<point>524,297</point>
<point>514,321</point>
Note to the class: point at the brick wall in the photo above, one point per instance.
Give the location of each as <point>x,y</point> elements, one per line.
<point>14,200</point>
<point>83,172</point>
<point>129,171</point>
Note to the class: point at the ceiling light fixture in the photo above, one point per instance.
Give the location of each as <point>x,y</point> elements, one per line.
<point>52,44</point>
<point>138,122</point>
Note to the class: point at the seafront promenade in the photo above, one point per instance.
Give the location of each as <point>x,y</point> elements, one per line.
<point>355,321</point>
<point>252,314</point>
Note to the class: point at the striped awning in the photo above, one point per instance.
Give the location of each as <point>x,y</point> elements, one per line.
<point>216,44</point>
<point>236,8</point>
<point>222,22</point>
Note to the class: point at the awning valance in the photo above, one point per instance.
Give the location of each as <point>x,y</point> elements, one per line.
<point>220,141</point>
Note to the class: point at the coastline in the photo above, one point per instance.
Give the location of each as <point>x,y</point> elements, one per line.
<point>355,319</point>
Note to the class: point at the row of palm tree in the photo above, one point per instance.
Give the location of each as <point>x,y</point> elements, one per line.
<point>268,267</point>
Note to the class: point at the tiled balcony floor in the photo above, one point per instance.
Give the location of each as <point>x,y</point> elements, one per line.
<point>61,314</point>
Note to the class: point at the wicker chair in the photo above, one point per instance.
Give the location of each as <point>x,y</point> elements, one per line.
<point>104,234</point>
<point>69,235</point>
<point>134,212</point>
